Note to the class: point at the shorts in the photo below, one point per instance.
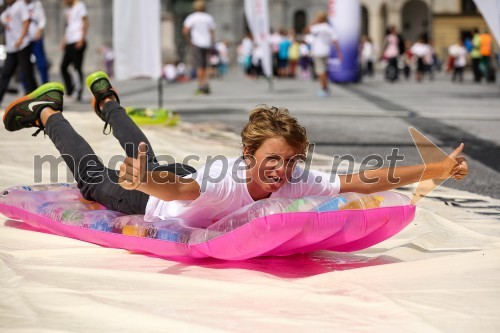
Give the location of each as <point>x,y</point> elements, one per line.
<point>421,65</point>
<point>320,65</point>
<point>200,57</point>
<point>282,63</point>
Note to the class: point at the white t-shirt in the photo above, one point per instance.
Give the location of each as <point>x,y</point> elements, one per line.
<point>74,22</point>
<point>324,35</point>
<point>37,16</point>
<point>304,50</point>
<point>223,52</point>
<point>200,25</point>
<point>420,50</point>
<point>275,40</point>
<point>460,54</point>
<point>170,72</point>
<point>13,19</point>
<point>368,52</point>
<point>224,190</point>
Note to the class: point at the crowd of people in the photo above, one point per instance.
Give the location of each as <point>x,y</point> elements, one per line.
<point>23,22</point>
<point>291,55</point>
<point>302,55</point>
<point>405,57</point>
<point>305,55</point>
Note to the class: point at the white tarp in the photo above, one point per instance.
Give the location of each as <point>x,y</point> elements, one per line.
<point>440,274</point>
<point>257,15</point>
<point>490,9</point>
<point>136,38</point>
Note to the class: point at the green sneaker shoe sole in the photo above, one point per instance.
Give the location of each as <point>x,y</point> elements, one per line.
<point>95,77</point>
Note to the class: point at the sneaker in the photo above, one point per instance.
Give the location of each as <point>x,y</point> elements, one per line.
<point>100,87</point>
<point>205,90</point>
<point>25,112</point>
<point>323,93</point>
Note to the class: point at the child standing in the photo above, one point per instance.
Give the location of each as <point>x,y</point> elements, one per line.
<point>459,54</point>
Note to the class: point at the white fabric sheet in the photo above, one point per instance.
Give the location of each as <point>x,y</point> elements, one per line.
<point>440,274</point>
<point>136,38</point>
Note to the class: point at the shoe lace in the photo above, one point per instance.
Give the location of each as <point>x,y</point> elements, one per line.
<point>38,131</point>
<point>106,125</point>
<point>29,124</point>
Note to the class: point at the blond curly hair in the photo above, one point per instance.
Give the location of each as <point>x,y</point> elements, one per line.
<point>267,122</point>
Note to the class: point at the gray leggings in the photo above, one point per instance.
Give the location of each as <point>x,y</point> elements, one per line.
<point>95,181</point>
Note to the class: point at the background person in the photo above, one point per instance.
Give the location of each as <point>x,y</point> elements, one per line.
<point>74,44</point>
<point>368,56</point>
<point>421,54</point>
<point>323,37</point>
<point>485,48</point>
<point>199,29</point>
<point>391,54</point>
<point>475,55</point>
<point>15,19</point>
<point>459,54</point>
<point>36,34</point>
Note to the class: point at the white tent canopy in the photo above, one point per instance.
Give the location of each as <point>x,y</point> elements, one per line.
<point>136,38</point>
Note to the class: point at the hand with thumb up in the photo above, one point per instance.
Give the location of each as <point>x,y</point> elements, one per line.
<point>133,170</point>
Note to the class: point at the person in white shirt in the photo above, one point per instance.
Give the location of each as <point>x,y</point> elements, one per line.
<point>275,41</point>
<point>305,60</point>
<point>36,29</point>
<point>324,36</point>
<point>459,54</point>
<point>273,143</point>
<point>368,56</point>
<point>74,44</point>
<point>223,52</point>
<point>421,53</point>
<point>199,29</point>
<point>246,50</point>
<point>169,72</point>
<point>15,19</point>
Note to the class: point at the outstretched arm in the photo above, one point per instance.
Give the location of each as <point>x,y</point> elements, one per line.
<point>161,184</point>
<point>370,181</point>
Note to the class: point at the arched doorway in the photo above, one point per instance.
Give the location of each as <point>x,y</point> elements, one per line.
<point>364,21</point>
<point>299,21</point>
<point>415,19</point>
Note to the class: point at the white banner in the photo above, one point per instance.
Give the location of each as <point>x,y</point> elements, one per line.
<point>257,15</point>
<point>491,13</point>
<point>136,38</point>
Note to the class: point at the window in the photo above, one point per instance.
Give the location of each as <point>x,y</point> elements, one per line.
<point>299,21</point>
<point>469,7</point>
